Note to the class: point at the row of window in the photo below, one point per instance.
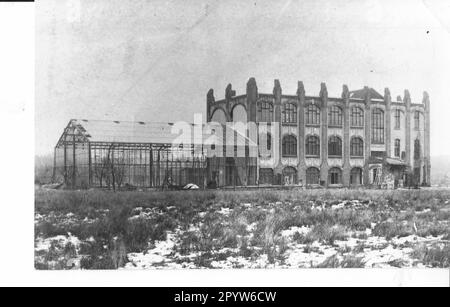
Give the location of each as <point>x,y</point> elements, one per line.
<point>398,116</point>
<point>312,146</point>
<point>266,176</point>
<point>312,117</point>
<point>397,149</point>
<point>312,114</point>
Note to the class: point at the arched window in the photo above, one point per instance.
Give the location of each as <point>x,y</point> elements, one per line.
<point>265,111</point>
<point>356,147</point>
<point>289,113</point>
<point>356,176</point>
<point>334,146</point>
<point>416,149</point>
<point>397,148</point>
<point>416,120</point>
<point>289,146</point>
<point>312,145</point>
<point>239,114</point>
<point>312,176</point>
<point>377,126</point>
<point>265,176</point>
<point>357,117</point>
<point>219,117</point>
<point>312,115</point>
<point>335,176</point>
<point>335,116</point>
<point>289,175</point>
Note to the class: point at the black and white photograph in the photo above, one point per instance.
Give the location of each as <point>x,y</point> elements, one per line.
<point>221,136</point>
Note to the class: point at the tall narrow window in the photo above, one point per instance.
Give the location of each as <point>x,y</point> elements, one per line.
<point>356,176</point>
<point>312,176</point>
<point>312,115</point>
<point>265,111</point>
<point>335,116</point>
<point>289,147</point>
<point>335,146</point>
<point>377,126</point>
<point>313,146</point>
<point>289,113</point>
<point>416,120</point>
<point>398,114</point>
<point>269,141</point>
<point>416,149</point>
<point>357,117</point>
<point>397,148</point>
<point>335,176</point>
<point>356,147</point>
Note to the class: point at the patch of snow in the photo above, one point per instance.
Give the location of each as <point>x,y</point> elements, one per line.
<point>339,206</point>
<point>380,258</point>
<point>159,254</point>
<point>293,230</point>
<point>224,211</point>
<point>423,211</point>
<point>415,239</point>
<point>44,244</point>
<point>297,258</point>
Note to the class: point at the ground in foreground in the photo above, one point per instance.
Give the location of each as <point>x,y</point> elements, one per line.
<point>245,229</point>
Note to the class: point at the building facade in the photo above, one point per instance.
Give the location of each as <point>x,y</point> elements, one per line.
<point>360,138</point>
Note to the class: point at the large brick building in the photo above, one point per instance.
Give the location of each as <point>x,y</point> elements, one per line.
<point>360,138</point>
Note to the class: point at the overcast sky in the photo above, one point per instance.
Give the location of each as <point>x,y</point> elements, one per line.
<point>156,60</point>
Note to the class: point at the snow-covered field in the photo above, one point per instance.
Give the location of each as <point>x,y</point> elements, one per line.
<point>222,234</point>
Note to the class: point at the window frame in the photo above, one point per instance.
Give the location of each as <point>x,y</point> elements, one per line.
<point>312,149</point>
<point>334,147</point>
<point>357,149</point>
<point>398,118</point>
<point>289,146</point>
<point>335,116</point>
<point>265,109</point>
<point>309,175</point>
<point>397,150</point>
<point>312,115</point>
<point>357,117</point>
<point>377,130</point>
<point>289,113</point>
<point>335,171</point>
<point>416,120</point>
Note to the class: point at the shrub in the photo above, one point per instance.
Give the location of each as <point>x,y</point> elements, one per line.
<point>435,256</point>
<point>391,229</point>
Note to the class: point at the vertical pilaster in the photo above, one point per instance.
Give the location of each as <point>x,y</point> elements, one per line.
<point>277,92</point>
<point>301,167</point>
<point>387,101</point>
<point>367,135</point>
<point>407,101</point>
<point>346,100</point>
<point>229,93</point>
<point>209,101</point>
<point>252,97</point>
<point>427,160</point>
<point>324,133</point>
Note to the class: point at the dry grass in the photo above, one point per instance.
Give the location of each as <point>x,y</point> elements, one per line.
<point>107,218</point>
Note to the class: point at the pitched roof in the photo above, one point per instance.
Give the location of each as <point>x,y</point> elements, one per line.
<point>361,94</point>
<point>143,132</point>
